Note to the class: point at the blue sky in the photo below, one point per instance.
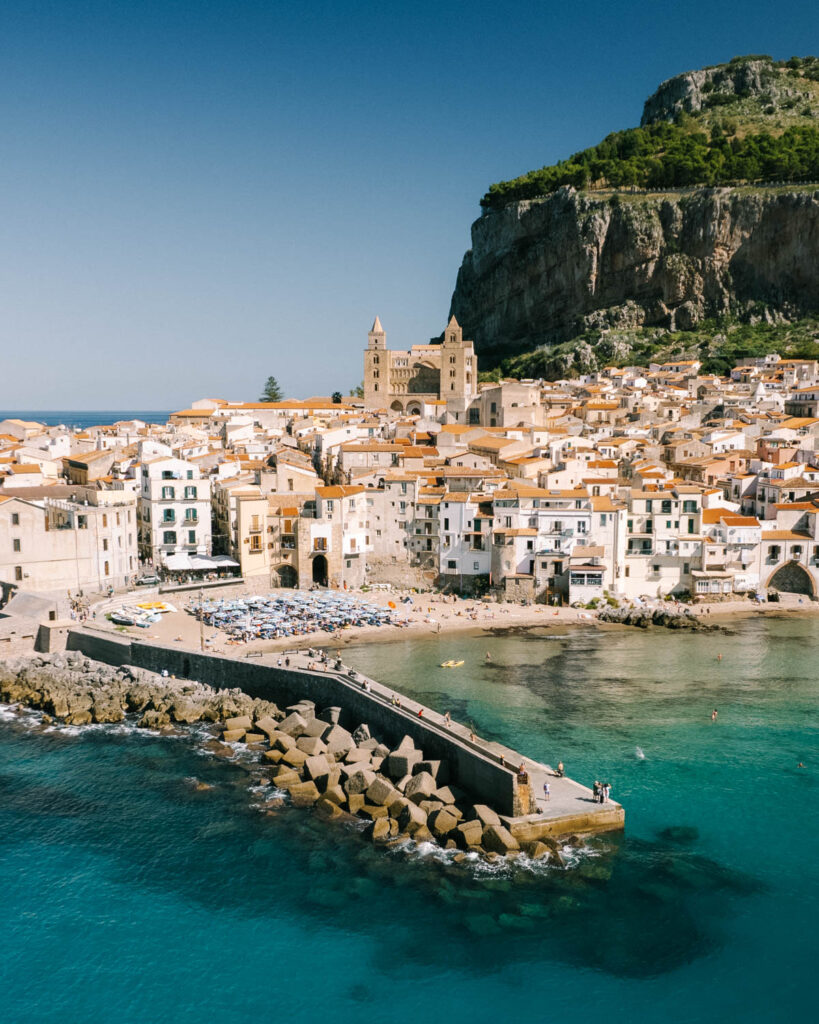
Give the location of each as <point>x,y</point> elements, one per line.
<point>198,195</point>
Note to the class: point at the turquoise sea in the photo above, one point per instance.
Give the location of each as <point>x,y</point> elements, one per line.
<point>129,895</point>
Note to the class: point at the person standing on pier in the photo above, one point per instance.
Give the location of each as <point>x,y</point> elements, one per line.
<point>547,793</point>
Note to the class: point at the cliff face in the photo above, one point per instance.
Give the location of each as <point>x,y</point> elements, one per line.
<point>540,272</point>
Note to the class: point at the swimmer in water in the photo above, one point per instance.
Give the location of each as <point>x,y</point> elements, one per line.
<point>714,714</point>
<point>719,657</point>
<point>488,656</point>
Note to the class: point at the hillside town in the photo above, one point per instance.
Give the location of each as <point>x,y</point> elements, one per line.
<point>631,484</point>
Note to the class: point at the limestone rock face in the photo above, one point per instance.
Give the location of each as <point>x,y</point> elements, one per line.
<point>542,271</point>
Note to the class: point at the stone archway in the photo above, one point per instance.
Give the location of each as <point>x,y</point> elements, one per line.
<point>792,578</point>
<point>414,409</point>
<point>285,576</point>
<point>397,407</point>
<point>320,570</point>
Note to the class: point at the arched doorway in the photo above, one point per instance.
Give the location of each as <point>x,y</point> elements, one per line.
<point>792,578</point>
<point>397,407</point>
<point>284,576</point>
<point>414,409</point>
<point>320,570</point>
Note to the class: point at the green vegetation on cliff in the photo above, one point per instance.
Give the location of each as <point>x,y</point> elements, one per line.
<point>753,119</point>
<point>720,344</point>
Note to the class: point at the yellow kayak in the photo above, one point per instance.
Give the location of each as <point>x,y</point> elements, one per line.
<point>451,664</point>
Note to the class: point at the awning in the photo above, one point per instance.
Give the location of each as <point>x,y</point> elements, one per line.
<point>200,563</point>
<point>223,561</point>
<point>177,563</point>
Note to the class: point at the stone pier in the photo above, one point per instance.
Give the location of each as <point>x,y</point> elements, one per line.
<point>494,775</point>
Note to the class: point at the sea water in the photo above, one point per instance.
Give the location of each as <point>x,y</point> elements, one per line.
<point>132,894</point>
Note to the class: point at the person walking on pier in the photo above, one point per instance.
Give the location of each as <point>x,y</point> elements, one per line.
<point>596,791</point>
<point>547,793</point>
<point>448,720</point>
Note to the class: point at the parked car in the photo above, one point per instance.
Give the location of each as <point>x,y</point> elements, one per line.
<point>150,580</point>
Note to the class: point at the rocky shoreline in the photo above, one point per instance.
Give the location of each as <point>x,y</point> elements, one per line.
<point>645,617</point>
<point>393,795</point>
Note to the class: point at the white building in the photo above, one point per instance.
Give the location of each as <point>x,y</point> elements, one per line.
<point>174,510</point>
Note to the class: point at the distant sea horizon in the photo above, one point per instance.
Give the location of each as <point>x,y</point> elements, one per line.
<point>82,418</point>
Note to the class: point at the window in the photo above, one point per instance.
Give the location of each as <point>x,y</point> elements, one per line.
<point>168,515</point>
<point>330,507</point>
<point>169,537</point>
<point>104,519</point>
<point>689,506</point>
<point>507,521</point>
<point>192,536</point>
<point>796,551</point>
<point>107,569</point>
<point>446,523</point>
<point>191,515</point>
<point>168,494</point>
<point>167,474</point>
<point>15,518</point>
<point>686,568</point>
<point>630,525</point>
<point>190,493</point>
<point>255,541</point>
<point>690,525</point>
<point>189,474</point>
<point>451,564</point>
<point>104,543</point>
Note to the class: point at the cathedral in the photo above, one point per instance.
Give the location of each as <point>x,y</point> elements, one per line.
<point>441,372</point>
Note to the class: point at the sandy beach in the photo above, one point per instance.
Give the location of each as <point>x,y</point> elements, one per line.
<point>429,614</point>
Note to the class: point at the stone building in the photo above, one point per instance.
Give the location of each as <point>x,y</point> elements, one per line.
<point>405,381</point>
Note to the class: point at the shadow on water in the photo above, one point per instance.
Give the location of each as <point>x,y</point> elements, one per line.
<point>629,908</point>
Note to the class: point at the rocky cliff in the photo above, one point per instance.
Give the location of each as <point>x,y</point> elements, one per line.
<point>540,272</point>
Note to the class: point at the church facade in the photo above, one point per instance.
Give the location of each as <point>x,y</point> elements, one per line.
<point>404,381</point>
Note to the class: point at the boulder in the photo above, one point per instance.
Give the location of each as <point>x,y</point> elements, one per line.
<point>218,749</point>
<point>380,792</point>
<point>294,725</point>
<point>360,782</point>
<point>311,745</point>
<point>185,711</point>
<point>420,787</point>
<point>498,839</point>
<point>469,833</point>
<point>233,735</point>
<point>304,794</point>
<point>242,722</point>
<point>441,823</point>
<point>536,850</point>
<point>485,815</point>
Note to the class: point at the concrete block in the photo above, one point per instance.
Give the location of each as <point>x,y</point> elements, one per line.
<point>380,792</point>
<point>397,805</point>
<point>469,833</point>
<point>497,839</point>
<point>338,740</point>
<point>407,743</point>
<point>268,727</point>
<point>332,778</point>
<point>360,782</point>
<point>362,734</point>
<point>401,762</point>
<point>294,725</point>
<point>331,716</point>
<point>273,756</point>
<point>328,810</point>
<point>380,830</point>
<point>315,727</point>
<point>233,735</point>
<point>242,722</point>
<point>401,785</point>
<point>316,766</point>
<point>456,812</point>
<point>311,745</point>
<point>336,794</point>
<point>255,737</point>
<point>485,815</point>
<point>304,794</point>
<point>357,755</point>
<point>441,823</point>
<point>411,816</point>
<point>430,806</point>
<point>305,708</point>
<point>295,758</point>
<point>373,811</point>
<point>420,787</point>
<point>376,763</point>
<point>283,742</point>
<point>445,795</point>
<point>355,801</point>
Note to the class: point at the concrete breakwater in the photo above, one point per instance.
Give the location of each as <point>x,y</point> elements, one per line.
<point>339,744</point>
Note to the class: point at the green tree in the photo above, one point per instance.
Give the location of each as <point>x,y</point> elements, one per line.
<point>336,398</point>
<point>358,391</point>
<point>271,391</point>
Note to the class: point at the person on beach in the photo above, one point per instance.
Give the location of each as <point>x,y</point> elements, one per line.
<point>547,793</point>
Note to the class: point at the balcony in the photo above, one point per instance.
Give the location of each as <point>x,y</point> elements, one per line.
<point>191,520</point>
